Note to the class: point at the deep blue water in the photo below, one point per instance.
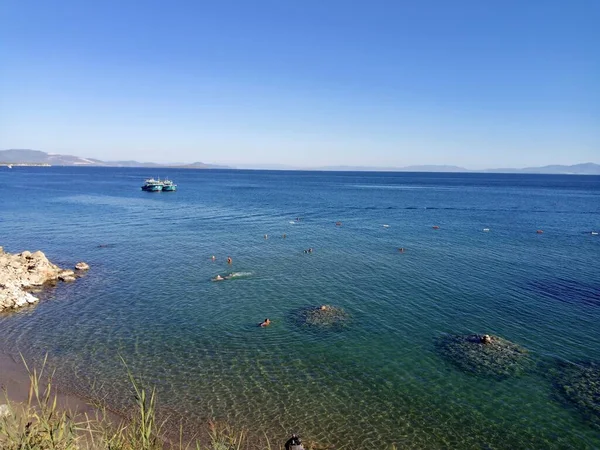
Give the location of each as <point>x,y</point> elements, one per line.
<point>149,297</point>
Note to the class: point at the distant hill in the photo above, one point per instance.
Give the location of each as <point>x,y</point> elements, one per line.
<point>583,169</point>
<point>425,168</point>
<point>575,169</point>
<point>25,156</point>
<point>429,168</point>
<point>199,165</point>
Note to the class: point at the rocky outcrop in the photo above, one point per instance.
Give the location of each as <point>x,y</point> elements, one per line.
<point>579,384</point>
<point>82,266</point>
<point>23,271</point>
<point>486,355</point>
<point>325,316</point>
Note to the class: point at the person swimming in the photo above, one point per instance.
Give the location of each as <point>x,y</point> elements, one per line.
<point>218,278</point>
<point>266,323</point>
<point>401,249</point>
<point>213,257</point>
<point>294,443</point>
<point>229,261</point>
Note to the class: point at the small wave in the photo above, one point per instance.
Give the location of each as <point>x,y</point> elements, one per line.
<point>239,274</point>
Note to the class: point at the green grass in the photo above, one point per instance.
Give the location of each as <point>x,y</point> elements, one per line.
<point>40,424</point>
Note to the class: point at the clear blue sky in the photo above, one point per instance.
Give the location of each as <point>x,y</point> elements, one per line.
<point>313,82</point>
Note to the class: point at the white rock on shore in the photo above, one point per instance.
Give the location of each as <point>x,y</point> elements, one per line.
<point>25,270</point>
<point>82,266</point>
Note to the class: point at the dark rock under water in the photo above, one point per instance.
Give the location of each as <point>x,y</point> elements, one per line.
<point>492,356</point>
<point>579,385</point>
<point>326,316</point>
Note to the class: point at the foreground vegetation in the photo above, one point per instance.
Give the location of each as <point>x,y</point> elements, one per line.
<point>40,424</point>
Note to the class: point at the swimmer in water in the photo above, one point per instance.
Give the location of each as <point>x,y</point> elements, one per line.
<point>266,323</point>
<point>294,443</point>
<point>284,236</point>
<point>229,260</point>
<point>218,278</point>
<point>213,257</point>
<point>310,250</point>
<point>266,236</point>
<point>401,249</point>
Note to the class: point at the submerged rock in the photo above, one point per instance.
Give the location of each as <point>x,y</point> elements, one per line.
<point>484,354</point>
<point>23,271</point>
<point>325,316</point>
<point>579,384</point>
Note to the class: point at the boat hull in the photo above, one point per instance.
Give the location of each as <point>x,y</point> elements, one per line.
<point>152,188</point>
<point>169,188</point>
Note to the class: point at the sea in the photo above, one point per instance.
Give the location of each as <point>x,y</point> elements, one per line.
<point>379,379</point>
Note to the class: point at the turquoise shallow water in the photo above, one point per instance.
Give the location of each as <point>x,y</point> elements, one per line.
<point>149,297</point>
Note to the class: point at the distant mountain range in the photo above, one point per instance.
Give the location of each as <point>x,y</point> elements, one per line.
<point>576,169</point>
<point>36,157</point>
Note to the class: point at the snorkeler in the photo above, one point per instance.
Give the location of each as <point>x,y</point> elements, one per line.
<point>266,323</point>
<point>294,443</point>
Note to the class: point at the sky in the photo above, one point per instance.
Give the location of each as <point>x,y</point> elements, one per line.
<point>499,83</point>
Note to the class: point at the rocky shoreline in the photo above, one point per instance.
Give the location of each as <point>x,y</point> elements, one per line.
<point>21,272</point>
